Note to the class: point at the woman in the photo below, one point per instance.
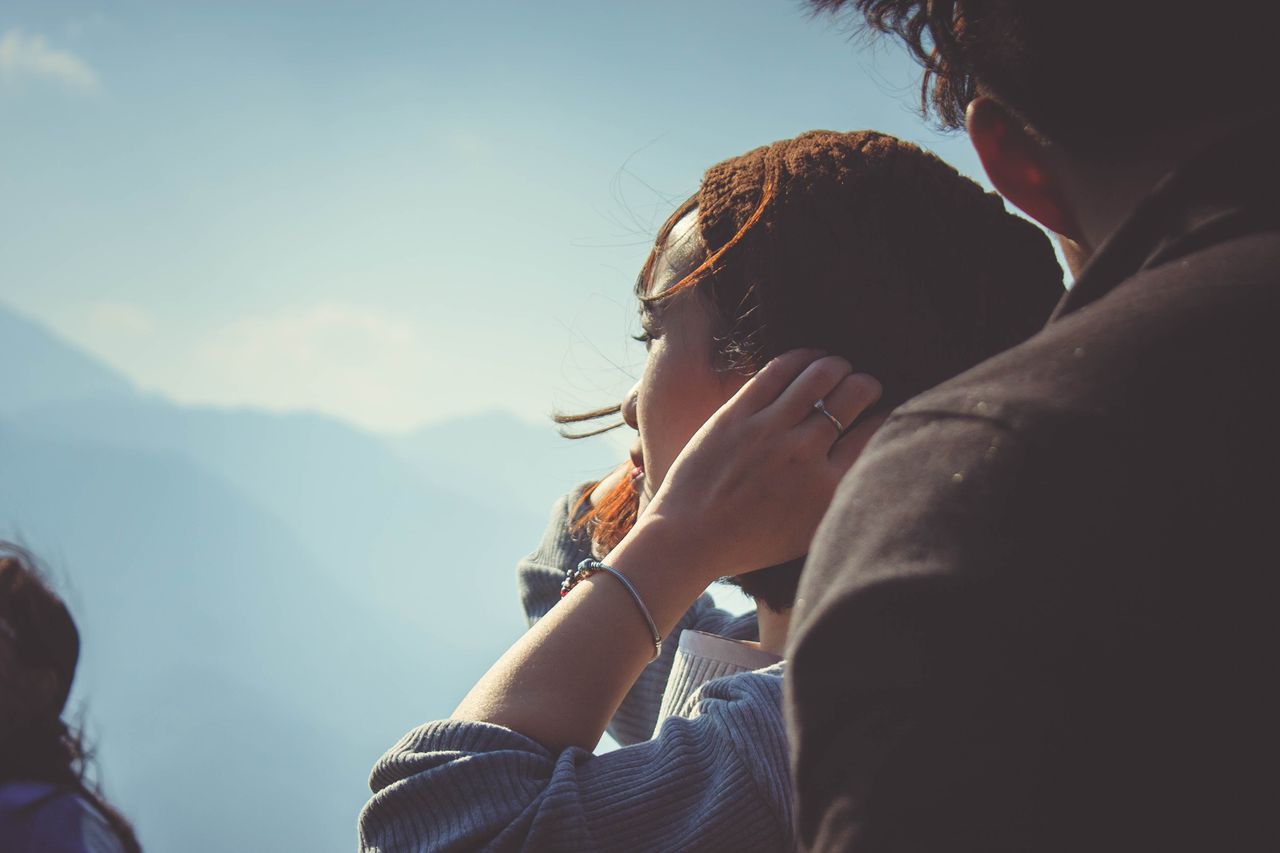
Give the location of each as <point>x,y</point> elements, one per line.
<point>864,251</point>
<point>46,806</point>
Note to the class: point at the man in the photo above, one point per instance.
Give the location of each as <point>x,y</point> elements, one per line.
<point>1043,611</point>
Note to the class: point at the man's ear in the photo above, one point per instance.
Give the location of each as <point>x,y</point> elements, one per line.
<point>1019,165</point>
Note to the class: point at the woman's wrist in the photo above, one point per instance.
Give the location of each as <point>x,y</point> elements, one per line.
<point>668,566</point>
<point>531,690</point>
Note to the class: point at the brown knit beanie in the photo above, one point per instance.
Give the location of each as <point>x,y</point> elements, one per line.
<point>871,248</point>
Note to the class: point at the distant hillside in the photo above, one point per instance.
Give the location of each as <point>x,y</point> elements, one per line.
<point>379,525</point>
<point>497,457</point>
<point>40,368</point>
<point>225,674</point>
<point>268,601</point>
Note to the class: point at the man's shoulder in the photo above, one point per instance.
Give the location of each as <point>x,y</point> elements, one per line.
<point>1114,429</point>
<point>1204,321</point>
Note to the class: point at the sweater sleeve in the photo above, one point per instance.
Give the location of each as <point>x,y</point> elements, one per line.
<point>716,781</point>
<point>539,575</point>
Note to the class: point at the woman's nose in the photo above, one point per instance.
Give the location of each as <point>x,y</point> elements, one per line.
<point>629,407</point>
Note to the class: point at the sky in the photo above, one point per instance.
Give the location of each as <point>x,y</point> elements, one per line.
<point>394,213</point>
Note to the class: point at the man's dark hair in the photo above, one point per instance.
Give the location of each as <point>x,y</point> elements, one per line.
<point>1092,74</point>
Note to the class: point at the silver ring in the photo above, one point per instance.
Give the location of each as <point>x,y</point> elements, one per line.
<point>835,422</point>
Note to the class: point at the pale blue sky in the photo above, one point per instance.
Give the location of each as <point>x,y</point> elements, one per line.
<point>390,212</point>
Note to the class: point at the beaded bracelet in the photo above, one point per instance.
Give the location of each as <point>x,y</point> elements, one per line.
<point>589,567</point>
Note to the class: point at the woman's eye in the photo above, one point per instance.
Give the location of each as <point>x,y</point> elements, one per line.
<point>644,337</point>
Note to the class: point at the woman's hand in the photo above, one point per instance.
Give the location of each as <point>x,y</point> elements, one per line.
<point>752,484</point>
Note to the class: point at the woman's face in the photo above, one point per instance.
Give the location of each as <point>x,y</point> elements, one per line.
<point>679,388</point>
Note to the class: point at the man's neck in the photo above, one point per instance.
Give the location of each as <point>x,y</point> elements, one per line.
<point>1103,193</point>
<point>774,626</point>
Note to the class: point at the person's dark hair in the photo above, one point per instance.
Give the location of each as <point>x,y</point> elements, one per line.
<point>39,648</point>
<point>862,245</point>
<point>1092,75</point>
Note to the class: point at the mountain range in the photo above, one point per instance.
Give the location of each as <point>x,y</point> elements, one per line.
<point>266,601</point>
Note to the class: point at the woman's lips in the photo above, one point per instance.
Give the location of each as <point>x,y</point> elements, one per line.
<point>637,467</point>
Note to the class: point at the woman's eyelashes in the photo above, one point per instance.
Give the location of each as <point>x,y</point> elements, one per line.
<point>649,329</point>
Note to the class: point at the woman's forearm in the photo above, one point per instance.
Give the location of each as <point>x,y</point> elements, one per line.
<point>562,681</point>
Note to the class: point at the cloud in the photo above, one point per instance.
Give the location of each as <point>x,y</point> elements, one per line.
<point>365,364</point>
<point>387,370</point>
<point>119,319</point>
<point>24,56</point>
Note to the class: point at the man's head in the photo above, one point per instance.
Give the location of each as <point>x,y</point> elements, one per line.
<point>1090,75</point>
<point>1051,89</point>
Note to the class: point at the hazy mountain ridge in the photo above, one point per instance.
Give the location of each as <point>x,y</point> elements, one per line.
<point>180,622</point>
<point>522,463</point>
<point>40,368</point>
<point>268,601</point>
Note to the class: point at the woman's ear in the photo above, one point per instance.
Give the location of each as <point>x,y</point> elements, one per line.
<point>1020,166</point>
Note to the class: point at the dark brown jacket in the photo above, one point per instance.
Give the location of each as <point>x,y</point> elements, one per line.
<point>1043,612</point>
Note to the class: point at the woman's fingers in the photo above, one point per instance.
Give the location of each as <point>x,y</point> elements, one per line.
<point>815,382</point>
<point>854,394</point>
<point>773,379</point>
<point>851,444</point>
<point>759,473</point>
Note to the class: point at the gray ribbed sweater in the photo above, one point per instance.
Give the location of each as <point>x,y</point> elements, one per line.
<point>713,777</point>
